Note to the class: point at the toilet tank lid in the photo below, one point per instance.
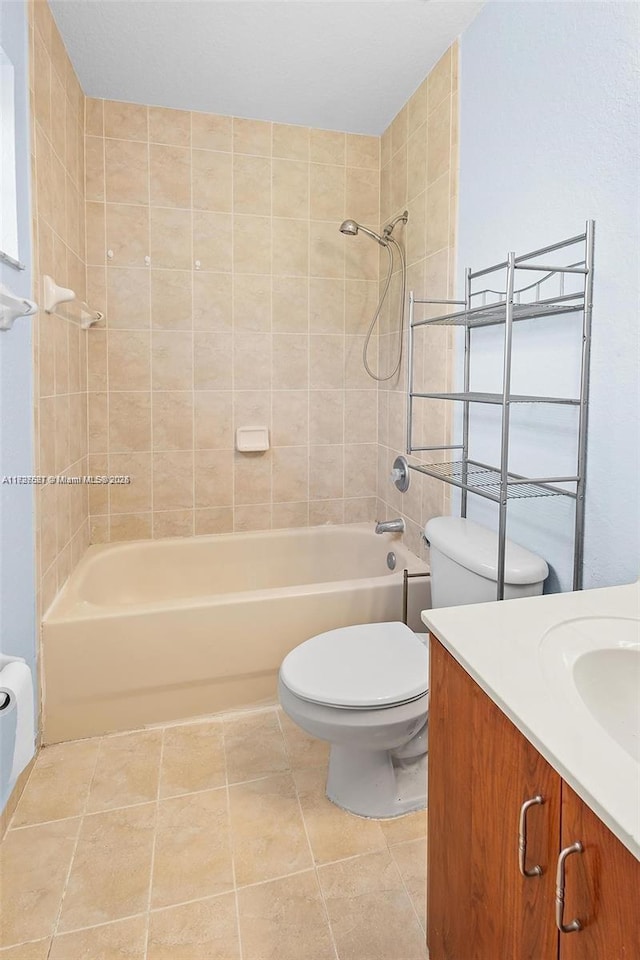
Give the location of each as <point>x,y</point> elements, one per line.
<point>476,548</point>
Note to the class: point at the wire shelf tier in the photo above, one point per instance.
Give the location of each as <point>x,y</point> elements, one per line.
<point>475,396</point>
<point>485,481</point>
<point>495,313</point>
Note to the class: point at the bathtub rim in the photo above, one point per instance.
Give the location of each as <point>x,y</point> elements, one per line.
<point>67,606</point>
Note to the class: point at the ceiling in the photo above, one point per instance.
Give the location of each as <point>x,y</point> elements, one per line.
<point>335,64</point>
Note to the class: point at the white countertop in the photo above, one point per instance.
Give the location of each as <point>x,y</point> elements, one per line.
<point>498,644</point>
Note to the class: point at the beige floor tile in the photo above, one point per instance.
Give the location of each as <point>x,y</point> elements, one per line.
<point>127,771</point>
<point>59,784</point>
<point>111,870</point>
<point>34,863</point>
<point>122,940</point>
<point>36,950</point>
<point>192,759</point>
<point>371,915</point>
<point>193,853</point>
<point>411,860</point>
<point>267,831</point>
<point>412,826</point>
<point>334,834</point>
<point>303,750</point>
<point>206,930</point>
<point>284,920</point>
<point>254,746</point>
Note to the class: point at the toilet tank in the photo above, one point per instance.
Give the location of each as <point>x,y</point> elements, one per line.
<point>464,564</point>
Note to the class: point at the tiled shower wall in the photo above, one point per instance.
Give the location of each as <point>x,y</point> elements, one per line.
<point>60,357</point>
<point>419,157</point>
<point>231,299</point>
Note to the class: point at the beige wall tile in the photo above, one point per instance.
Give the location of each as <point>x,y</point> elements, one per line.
<point>171,299</point>
<point>252,185</point>
<point>285,515</point>
<point>439,80</point>
<point>94,117</point>
<point>172,359</point>
<point>126,171</point>
<point>327,146</point>
<point>290,409</point>
<point>326,250</point>
<point>127,298</point>
<point>213,520</point>
<point>251,244</point>
<point>290,246</point>
<point>252,478</point>
<point>170,126</point>
<point>94,169</point>
<point>290,142</point>
<point>327,191</point>
<point>363,151</point>
<point>290,304</point>
<point>290,474</point>
<point>212,244</point>
<point>127,234</point>
<point>252,303</point>
<point>170,175</point>
<point>290,187</point>
<point>211,132</point>
<point>326,416</point>
<point>290,361</point>
<point>212,180</point>
<point>125,121</point>
<point>213,420</point>
<point>213,478</point>
<point>129,422</point>
<point>252,137</point>
<point>134,497</point>
<point>326,306</point>
<point>326,464</point>
<point>170,232</point>
<point>211,353</point>
<point>251,361</point>
<point>173,480</point>
<point>172,523</point>
<point>129,357</point>
<point>172,423</point>
<point>363,195</point>
<point>212,301</point>
<point>439,136</point>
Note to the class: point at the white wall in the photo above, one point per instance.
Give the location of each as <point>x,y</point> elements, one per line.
<point>549,137</point>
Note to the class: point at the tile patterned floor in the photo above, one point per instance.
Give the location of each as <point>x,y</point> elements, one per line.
<point>205,841</point>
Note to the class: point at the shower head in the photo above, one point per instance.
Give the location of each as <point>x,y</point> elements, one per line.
<point>351,228</point>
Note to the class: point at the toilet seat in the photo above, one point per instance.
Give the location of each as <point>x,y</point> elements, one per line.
<point>361,667</point>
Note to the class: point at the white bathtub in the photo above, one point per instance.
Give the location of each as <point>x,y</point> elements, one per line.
<point>149,632</point>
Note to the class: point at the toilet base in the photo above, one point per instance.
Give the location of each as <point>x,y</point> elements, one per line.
<point>369,784</point>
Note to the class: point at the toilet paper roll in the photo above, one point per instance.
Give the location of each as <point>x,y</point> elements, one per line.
<point>16,684</point>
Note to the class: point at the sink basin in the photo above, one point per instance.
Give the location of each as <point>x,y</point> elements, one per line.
<point>594,663</point>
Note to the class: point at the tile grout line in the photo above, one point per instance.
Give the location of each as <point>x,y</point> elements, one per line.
<point>81,817</point>
<point>153,847</point>
<point>231,846</point>
<point>306,833</point>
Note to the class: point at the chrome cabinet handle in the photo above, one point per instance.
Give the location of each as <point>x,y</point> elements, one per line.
<point>561,925</point>
<point>522,839</point>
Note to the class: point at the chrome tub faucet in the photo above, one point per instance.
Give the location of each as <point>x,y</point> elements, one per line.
<point>390,526</point>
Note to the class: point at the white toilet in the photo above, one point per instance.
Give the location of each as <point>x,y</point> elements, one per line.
<point>364,688</point>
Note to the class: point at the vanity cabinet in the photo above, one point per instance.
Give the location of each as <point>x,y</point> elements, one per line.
<point>480,906</point>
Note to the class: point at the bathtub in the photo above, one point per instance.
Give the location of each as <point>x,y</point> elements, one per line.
<point>155,631</point>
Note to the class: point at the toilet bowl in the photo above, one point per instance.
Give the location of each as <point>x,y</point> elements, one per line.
<point>364,690</point>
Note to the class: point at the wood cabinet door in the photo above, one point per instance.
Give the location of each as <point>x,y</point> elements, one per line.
<point>481,771</point>
<point>602,888</point>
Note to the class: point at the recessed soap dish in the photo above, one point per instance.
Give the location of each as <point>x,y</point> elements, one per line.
<point>252,439</point>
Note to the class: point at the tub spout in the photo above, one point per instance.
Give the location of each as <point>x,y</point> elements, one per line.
<point>390,526</point>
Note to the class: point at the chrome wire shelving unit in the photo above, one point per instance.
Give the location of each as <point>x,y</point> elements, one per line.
<point>514,304</point>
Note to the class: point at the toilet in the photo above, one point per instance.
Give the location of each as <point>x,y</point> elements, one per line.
<point>364,688</point>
